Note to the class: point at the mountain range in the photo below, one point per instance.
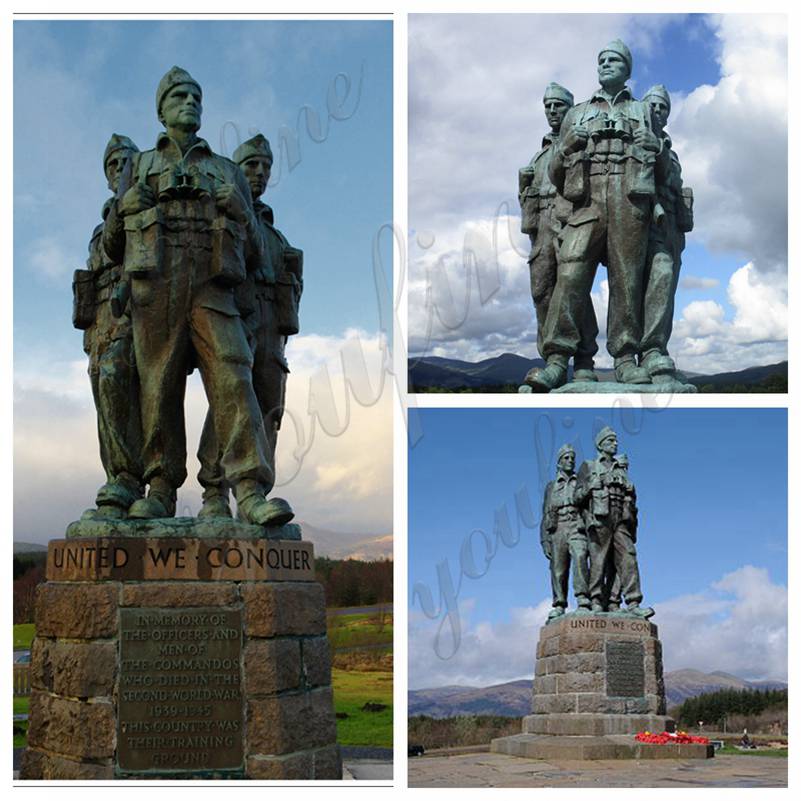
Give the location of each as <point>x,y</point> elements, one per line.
<point>509,368</point>
<point>513,699</point>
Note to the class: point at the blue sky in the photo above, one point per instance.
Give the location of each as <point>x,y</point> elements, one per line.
<point>321,92</point>
<point>712,494</point>
<point>731,305</point>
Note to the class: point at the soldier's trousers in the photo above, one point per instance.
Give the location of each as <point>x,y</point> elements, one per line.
<point>612,229</point>
<point>166,340</point>
<point>661,281</point>
<point>568,546</point>
<point>269,383</point>
<point>115,389</point>
<point>542,265</point>
<point>611,548</point>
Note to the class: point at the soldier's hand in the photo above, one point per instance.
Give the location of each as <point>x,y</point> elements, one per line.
<point>138,198</point>
<point>575,139</point>
<point>230,201</point>
<point>646,140</point>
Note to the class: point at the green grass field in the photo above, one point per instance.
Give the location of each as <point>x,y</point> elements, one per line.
<point>729,750</point>
<point>21,704</point>
<point>352,631</point>
<point>352,691</point>
<point>23,635</point>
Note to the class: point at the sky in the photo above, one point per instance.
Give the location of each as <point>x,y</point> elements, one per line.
<point>712,541</point>
<point>475,119</point>
<point>321,91</point>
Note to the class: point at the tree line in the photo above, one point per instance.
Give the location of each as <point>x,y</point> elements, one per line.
<point>350,582</point>
<point>713,707</point>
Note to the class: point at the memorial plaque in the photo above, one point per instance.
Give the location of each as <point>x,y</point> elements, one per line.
<point>625,669</point>
<point>180,692</point>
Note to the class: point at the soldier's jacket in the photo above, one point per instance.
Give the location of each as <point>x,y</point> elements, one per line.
<point>559,505</point>
<point>186,219</point>
<point>535,190</point>
<point>669,190</point>
<point>610,149</point>
<point>603,492</point>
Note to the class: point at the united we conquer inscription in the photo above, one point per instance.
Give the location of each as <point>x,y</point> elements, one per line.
<point>180,692</point>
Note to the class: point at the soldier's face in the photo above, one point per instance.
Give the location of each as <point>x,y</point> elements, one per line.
<point>612,69</point>
<point>568,462</point>
<point>555,111</point>
<point>114,167</point>
<point>181,107</point>
<point>660,109</point>
<point>609,446</point>
<point>257,173</point>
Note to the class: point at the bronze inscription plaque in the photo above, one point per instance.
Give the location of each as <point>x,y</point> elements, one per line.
<point>625,669</point>
<point>180,693</point>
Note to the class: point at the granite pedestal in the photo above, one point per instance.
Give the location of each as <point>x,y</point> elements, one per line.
<point>170,649</point>
<point>598,682</point>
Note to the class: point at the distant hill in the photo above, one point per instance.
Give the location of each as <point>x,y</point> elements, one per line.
<point>513,698</point>
<point>509,369</point>
<point>29,547</point>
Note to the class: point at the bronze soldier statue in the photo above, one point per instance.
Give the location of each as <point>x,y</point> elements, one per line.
<point>108,342</point>
<point>562,535</point>
<point>672,220</point>
<point>604,164</point>
<point>607,498</point>
<point>184,230</point>
<point>544,214</point>
<point>268,302</point>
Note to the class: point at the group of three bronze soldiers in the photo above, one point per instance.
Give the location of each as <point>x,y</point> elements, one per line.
<point>187,271</point>
<point>589,529</point>
<point>605,188</point>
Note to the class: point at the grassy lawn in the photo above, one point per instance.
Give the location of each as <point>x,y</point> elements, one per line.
<point>352,631</point>
<point>23,635</point>
<point>352,690</point>
<point>20,708</point>
<point>729,750</point>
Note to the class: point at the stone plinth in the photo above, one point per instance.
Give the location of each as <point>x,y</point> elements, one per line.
<point>598,681</point>
<point>181,657</point>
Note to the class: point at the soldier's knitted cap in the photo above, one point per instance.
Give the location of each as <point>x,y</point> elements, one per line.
<point>174,77</point>
<point>619,47</point>
<point>565,449</point>
<point>558,92</point>
<point>604,435</point>
<point>257,146</point>
<point>117,142</point>
<point>658,90</point>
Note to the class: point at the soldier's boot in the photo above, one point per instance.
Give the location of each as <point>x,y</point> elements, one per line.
<point>160,501</point>
<point>613,607</point>
<point>583,369</point>
<point>557,611</point>
<point>634,608</point>
<point>552,376</point>
<point>584,605</point>
<point>215,503</point>
<point>597,606</point>
<point>660,366</point>
<point>253,507</point>
<point>627,371</point>
<point>114,499</point>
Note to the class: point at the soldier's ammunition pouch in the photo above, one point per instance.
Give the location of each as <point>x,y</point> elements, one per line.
<point>144,243</point>
<point>575,187</point>
<point>227,251</point>
<point>600,503</point>
<point>83,299</point>
<point>529,213</point>
<point>287,294</point>
<point>684,211</point>
<point>642,182</point>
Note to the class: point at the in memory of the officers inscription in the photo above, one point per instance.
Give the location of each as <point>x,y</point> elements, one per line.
<point>625,669</point>
<point>180,694</point>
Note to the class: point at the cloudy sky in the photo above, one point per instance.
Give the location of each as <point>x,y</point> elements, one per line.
<point>712,541</point>
<point>475,117</point>
<point>322,94</point>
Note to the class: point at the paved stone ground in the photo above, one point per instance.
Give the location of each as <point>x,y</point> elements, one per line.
<point>499,770</point>
<point>367,770</point>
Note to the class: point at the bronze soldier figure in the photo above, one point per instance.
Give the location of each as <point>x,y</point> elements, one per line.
<point>672,220</point>
<point>544,214</point>
<point>268,302</point>
<point>186,226</point>
<point>108,342</point>
<point>562,535</point>
<point>606,496</point>
<point>603,164</point>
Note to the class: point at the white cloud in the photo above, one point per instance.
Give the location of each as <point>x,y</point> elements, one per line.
<point>334,465</point>
<point>696,282</point>
<point>738,625</point>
